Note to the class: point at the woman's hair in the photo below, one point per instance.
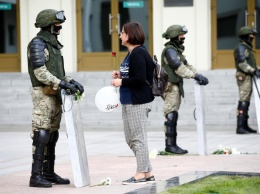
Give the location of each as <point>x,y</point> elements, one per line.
<point>135,33</point>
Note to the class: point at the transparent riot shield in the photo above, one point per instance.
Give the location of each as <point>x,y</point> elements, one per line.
<point>200,117</point>
<point>78,154</point>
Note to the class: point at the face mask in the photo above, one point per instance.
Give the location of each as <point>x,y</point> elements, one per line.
<point>247,38</point>
<point>181,40</point>
<point>55,29</point>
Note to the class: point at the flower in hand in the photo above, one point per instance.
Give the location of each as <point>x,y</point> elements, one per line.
<point>115,75</point>
<point>78,96</point>
<point>114,59</point>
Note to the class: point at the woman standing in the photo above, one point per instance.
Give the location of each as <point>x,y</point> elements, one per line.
<point>136,97</point>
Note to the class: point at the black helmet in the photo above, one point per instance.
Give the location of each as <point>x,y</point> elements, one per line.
<point>48,17</point>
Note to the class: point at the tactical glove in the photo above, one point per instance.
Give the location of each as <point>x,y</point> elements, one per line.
<point>257,73</point>
<point>77,85</point>
<point>70,88</point>
<point>201,79</point>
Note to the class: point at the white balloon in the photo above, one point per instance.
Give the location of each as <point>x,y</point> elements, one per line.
<point>107,99</point>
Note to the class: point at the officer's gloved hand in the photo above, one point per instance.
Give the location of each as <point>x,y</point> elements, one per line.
<point>257,73</point>
<point>77,85</point>
<point>70,88</point>
<point>201,79</point>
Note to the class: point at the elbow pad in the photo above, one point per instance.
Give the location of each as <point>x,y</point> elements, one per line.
<point>172,58</point>
<point>37,55</point>
<point>240,53</point>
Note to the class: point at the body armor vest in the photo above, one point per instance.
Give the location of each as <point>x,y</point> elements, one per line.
<point>250,59</point>
<point>172,76</point>
<point>55,63</point>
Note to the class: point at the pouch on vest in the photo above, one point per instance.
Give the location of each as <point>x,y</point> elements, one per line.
<point>240,76</point>
<point>48,90</point>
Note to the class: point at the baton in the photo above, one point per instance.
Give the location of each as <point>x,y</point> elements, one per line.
<point>256,87</point>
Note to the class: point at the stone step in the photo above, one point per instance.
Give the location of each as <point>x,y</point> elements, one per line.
<point>220,97</point>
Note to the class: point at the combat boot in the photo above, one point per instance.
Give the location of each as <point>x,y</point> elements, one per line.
<point>242,118</point>
<point>171,134</point>
<point>40,139</point>
<point>49,162</point>
<point>249,129</point>
<point>241,124</point>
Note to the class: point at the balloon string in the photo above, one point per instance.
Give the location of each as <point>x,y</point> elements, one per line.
<point>115,89</point>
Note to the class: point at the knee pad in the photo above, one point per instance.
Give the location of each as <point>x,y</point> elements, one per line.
<point>172,117</point>
<point>41,138</point>
<point>243,105</point>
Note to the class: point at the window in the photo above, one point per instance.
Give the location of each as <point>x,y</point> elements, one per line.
<point>178,3</point>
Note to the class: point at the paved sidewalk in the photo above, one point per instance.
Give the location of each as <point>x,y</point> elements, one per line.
<point>109,156</point>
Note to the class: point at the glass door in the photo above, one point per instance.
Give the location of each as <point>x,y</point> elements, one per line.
<point>227,18</point>
<point>254,20</point>
<point>9,36</point>
<point>99,24</point>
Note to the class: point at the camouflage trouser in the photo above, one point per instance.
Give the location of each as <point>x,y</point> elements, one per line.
<point>46,111</point>
<point>172,98</point>
<point>245,87</point>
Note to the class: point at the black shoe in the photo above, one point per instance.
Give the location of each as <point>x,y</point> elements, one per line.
<point>241,130</point>
<point>38,180</point>
<point>54,178</point>
<point>176,150</point>
<point>132,180</point>
<point>151,179</point>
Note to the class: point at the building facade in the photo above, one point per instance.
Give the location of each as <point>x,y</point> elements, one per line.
<point>92,27</point>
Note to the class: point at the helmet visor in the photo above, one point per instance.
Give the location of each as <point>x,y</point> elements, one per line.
<point>60,16</point>
<point>254,31</point>
<point>184,29</point>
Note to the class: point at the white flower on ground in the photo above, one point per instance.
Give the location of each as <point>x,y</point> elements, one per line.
<point>106,181</point>
<point>225,150</point>
<point>153,153</point>
<point>234,151</point>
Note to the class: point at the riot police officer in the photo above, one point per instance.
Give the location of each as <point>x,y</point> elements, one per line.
<point>246,68</point>
<point>177,67</point>
<point>47,74</point>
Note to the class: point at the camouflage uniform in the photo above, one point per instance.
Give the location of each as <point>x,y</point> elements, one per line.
<point>174,90</point>
<point>177,67</point>
<point>46,70</point>
<point>246,69</point>
<point>47,108</point>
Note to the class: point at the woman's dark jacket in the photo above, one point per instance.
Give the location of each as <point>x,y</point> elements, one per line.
<point>141,68</point>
